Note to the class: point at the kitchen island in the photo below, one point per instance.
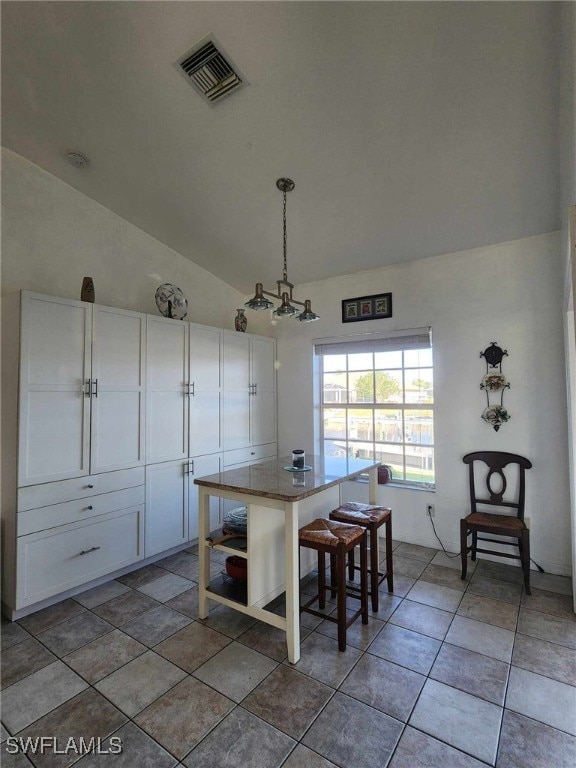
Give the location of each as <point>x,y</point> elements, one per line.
<point>279,502</point>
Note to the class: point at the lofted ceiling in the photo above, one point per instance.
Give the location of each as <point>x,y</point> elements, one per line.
<point>410,129</point>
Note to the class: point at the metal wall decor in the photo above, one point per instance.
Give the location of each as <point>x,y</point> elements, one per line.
<point>494,383</point>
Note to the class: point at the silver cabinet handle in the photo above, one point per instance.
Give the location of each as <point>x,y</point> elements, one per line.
<point>87,551</point>
<point>192,389</point>
<point>95,388</point>
<point>255,389</point>
<point>87,388</point>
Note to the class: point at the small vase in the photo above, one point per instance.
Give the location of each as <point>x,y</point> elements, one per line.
<point>240,321</point>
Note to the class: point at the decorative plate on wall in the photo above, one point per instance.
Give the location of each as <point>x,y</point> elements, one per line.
<point>171,302</point>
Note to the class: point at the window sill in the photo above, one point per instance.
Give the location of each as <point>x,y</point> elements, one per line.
<point>403,486</point>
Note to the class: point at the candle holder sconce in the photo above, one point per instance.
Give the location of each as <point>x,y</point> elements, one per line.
<point>494,383</point>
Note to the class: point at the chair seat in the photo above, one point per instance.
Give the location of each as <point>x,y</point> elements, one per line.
<point>356,513</point>
<point>488,520</point>
<point>329,533</point>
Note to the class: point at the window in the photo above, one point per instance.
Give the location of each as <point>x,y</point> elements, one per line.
<point>377,402</point>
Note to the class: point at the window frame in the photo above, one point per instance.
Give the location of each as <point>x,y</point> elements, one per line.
<point>348,347</point>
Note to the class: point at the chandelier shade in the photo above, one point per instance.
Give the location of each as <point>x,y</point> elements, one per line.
<point>284,288</point>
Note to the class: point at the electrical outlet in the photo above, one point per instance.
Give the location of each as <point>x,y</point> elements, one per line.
<point>430,510</point>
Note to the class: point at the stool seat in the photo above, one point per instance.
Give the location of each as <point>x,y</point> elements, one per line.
<point>356,513</point>
<point>330,534</point>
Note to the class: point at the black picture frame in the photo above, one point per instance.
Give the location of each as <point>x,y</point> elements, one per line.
<point>375,307</point>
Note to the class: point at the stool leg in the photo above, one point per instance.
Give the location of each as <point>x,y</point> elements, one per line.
<point>389,562</point>
<point>351,565</point>
<point>341,579</point>
<point>321,580</point>
<point>373,565</point>
<point>333,575</point>
<point>364,579</point>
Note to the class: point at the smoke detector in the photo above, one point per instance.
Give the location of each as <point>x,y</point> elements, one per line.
<point>76,159</point>
<point>210,70</point>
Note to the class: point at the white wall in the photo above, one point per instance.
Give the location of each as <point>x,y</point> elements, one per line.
<point>510,293</point>
<point>53,235</point>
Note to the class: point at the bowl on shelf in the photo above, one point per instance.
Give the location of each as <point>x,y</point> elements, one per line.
<point>237,567</point>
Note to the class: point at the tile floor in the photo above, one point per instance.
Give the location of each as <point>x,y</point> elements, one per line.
<point>448,673</point>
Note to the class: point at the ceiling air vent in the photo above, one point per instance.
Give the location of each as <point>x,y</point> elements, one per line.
<point>210,71</point>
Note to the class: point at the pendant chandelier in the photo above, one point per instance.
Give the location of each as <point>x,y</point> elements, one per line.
<point>284,287</point>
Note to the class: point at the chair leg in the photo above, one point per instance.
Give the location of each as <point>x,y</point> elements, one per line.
<point>474,544</point>
<point>321,580</point>
<point>341,611</point>
<point>464,547</point>
<point>389,566</point>
<point>351,565</point>
<point>364,578</point>
<point>525,554</point>
<point>373,565</point>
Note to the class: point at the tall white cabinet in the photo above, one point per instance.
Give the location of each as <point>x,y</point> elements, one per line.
<point>249,390</point>
<point>118,413</point>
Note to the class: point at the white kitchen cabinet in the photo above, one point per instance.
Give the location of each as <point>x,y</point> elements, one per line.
<point>81,389</point>
<point>166,506</point>
<point>249,373</point>
<point>118,385</point>
<point>263,398</point>
<point>166,390</point>
<point>199,467</point>
<point>205,391</point>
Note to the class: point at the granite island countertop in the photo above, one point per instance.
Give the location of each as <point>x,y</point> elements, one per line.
<point>270,480</point>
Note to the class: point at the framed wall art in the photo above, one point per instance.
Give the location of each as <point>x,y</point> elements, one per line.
<point>373,307</point>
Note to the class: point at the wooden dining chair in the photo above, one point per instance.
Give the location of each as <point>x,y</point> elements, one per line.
<point>510,524</point>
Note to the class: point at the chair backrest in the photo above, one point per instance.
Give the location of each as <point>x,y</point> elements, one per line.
<point>496,462</point>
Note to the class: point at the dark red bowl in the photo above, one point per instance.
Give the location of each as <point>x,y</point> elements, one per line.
<point>237,567</point>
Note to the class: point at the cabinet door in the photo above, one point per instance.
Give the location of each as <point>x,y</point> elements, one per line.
<point>199,467</point>
<point>167,390</point>
<point>205,431</point>
<point>54,410</point>
<point>166,506</point>
<point>263,403</point>
<point>118,371</point>
<point>236,400</point>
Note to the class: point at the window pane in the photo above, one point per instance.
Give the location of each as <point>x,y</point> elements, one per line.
<point>335,448</point>
<point>388,360</point>
<point>334,362</point>
<point>415,358</point>
<point>418,385</point>
<point>419,464</point>
<point>388,425</point>
<point>361,450</point>
<point>388,386</point>
<point>419,427</point>
<point>334,390</point>
<point>334,423</point>
<point>393,456</point>
<point>360,424</point>
<point>361,387</point>
<point>360,361</point>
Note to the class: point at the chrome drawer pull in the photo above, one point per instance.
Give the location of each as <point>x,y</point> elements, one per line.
<point>86,551</point>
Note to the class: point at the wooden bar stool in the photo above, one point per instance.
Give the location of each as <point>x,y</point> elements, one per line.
<point>338,540</point>
<point>371,517</point>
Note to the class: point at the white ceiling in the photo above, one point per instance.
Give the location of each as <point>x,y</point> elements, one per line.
<point>410,129</point>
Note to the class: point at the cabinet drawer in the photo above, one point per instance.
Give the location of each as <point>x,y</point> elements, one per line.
<point>32,520</point>
<point>35,496</point>
<point>243,455</point>
<point>54,561</point>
